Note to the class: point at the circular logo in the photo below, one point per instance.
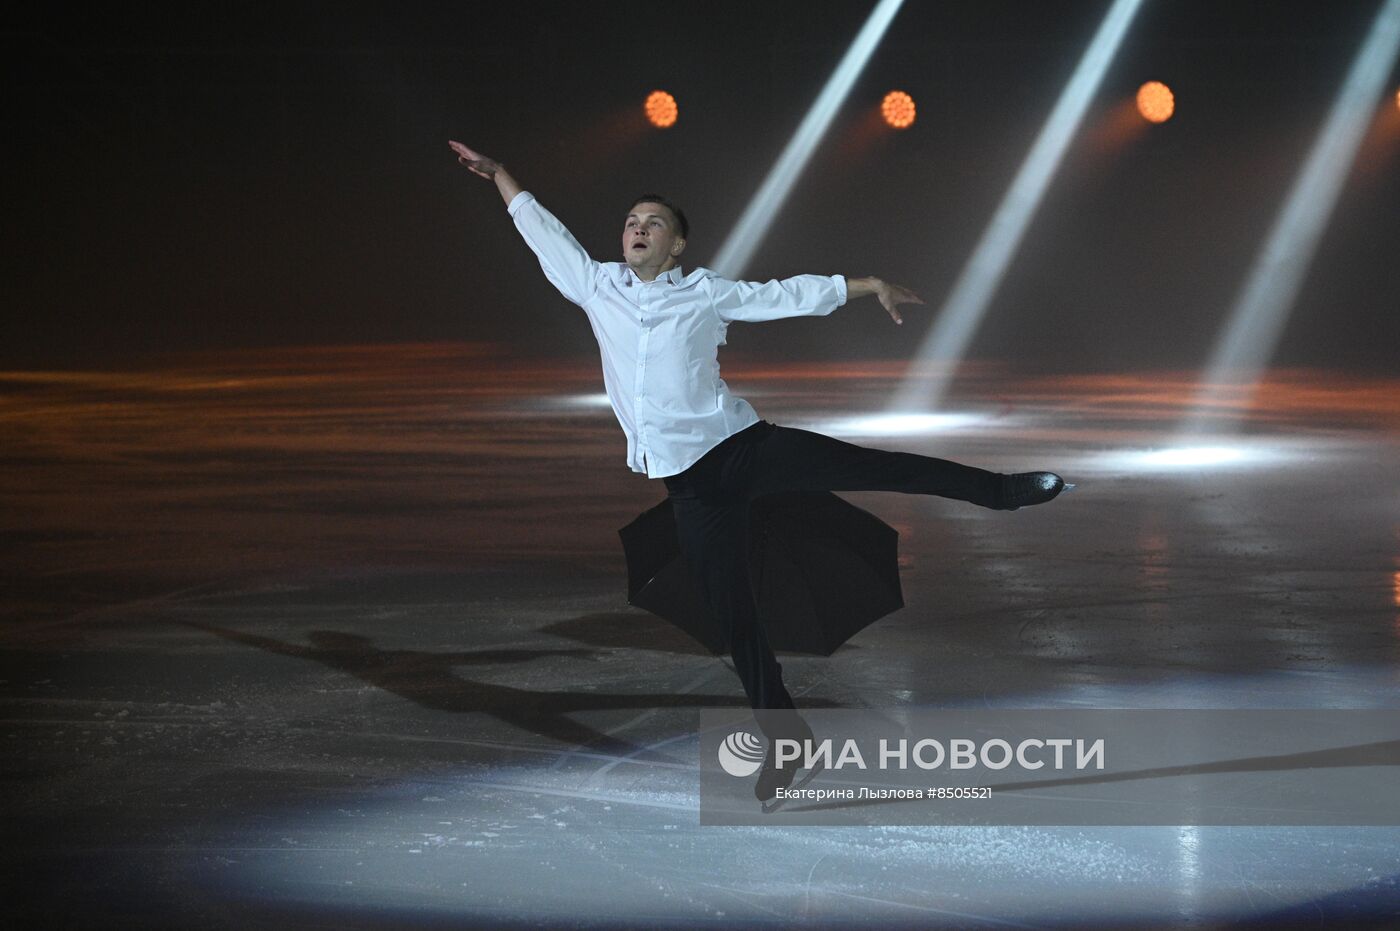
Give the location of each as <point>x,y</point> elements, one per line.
<point>741,754</point>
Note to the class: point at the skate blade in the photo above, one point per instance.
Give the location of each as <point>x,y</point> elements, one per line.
<point>775,803</point>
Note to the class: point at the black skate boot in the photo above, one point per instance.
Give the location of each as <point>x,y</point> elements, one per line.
<point>1026,488</point>
<point>771,778</point>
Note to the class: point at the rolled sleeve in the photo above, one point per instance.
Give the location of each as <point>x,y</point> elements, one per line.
<point>799,296</point>
<point>565,263</point>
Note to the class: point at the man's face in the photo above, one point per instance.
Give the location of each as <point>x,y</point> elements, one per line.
<point>650,237</point>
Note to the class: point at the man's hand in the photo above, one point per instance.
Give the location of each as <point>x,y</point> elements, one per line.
<point>889,295</point>
<point>892,295</point>
<point>479,164</point>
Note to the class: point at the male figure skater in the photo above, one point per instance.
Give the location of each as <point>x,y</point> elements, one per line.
<point>659,329</point>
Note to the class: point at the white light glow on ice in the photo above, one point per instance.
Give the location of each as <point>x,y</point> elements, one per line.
<point>1190,457</point>
<point>597,399</point>
<point>1195,456</point>
<point>901,424</point>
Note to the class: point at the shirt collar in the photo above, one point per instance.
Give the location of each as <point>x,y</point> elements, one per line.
<point>672,275</point>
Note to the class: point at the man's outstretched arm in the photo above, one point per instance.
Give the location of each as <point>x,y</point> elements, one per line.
<point>566,264</point>
<point>802,295</point>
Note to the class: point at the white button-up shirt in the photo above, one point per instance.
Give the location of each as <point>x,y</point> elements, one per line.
<point>660,339</point>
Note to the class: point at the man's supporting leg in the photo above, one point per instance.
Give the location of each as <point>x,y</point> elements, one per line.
<point>714,539</point>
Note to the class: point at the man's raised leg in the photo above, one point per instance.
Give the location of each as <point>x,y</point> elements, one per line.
<point>789,459</point>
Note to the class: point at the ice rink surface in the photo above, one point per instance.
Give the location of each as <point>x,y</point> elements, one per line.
<point>339,638</point>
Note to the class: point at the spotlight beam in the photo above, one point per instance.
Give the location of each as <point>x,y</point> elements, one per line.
<point>965,306</point>
<point>1262,308</point>
<point>743,241</point>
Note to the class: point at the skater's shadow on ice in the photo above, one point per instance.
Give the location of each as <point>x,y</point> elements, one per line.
<point>429,680</point>
<point>634,631</point>
<point>638,630</point>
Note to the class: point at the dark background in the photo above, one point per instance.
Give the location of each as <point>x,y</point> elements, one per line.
<point>207,177</point>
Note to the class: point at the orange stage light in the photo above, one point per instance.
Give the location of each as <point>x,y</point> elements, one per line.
<point>661,109</point>
<point>1155,102</point>
<point>1397,100</point>
<point>898,109</point>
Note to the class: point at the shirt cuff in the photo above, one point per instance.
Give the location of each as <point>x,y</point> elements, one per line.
<point>519,201</point>
<point>840,281</point>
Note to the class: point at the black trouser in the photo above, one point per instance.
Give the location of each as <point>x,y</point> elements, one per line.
<point>710,501</point>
